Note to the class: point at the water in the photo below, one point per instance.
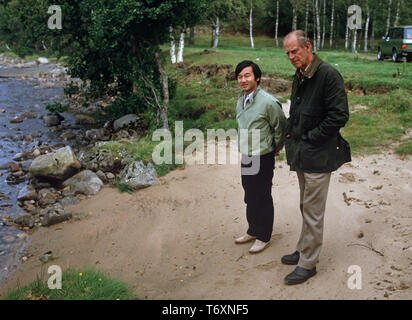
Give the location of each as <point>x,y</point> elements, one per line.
<point>17,97</point>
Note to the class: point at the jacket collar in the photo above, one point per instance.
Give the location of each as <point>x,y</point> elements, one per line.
<point>313,67</point>
<point>242,94</point>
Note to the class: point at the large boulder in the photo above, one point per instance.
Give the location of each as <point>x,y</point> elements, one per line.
<point>125,121</point>
<point>85,182</point>
<point>136,175</point>
<point>101,159</point>
<point>57,165</point>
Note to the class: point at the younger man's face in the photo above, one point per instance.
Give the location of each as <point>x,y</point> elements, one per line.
<point>246,80</point>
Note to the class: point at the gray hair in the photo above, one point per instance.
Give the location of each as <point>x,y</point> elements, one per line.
<point>300,36</point>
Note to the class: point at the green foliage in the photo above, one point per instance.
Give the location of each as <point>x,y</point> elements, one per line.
<point>404,149</point>
<point>87,284</point>
<point>56,107</point>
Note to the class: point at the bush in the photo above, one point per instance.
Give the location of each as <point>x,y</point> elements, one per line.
<point>57,107</point>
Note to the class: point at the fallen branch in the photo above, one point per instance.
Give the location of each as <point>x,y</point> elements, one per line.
<point>368,247</point>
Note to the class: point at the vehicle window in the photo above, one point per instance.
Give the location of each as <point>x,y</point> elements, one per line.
<point>408,33</point>
<point>398,34</point>
<point>390,34</point>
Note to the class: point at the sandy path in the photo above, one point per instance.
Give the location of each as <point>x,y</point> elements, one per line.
<point>175,240</point>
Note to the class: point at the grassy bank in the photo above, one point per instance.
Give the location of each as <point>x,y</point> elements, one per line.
<point>88,284</point>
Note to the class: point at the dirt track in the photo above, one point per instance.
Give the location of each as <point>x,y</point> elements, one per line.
<point>175,240</point>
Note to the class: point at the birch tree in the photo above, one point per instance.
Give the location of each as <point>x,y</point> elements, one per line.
<point>397,14</point>
<point>251,25</point>
<point>306,16</point>
<point>365,48</point>
<point>277,23</point>
<point>181,46</point>
<point>172,45</point>
<point>324,23</point>
<point>294,14</point>
<point>332,19</point>
<point>388,20</point>
<point>317,23</point>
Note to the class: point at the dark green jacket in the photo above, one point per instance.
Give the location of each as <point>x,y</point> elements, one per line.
<point>319,108</point>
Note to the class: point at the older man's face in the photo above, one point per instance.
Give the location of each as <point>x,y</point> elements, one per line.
<point>299,56</point>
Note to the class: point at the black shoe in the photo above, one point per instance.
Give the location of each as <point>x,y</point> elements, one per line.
<point>291,259</point>
<point>299,275</point>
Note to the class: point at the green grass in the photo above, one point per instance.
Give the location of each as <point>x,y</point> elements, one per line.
<point>87,284</point>
<point>405,149</point>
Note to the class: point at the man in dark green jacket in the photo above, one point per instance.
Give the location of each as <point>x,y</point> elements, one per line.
<point>314,146</point>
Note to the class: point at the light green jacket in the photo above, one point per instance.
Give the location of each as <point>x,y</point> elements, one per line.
<point>263,113</point>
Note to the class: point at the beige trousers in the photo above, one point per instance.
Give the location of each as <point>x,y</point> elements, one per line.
<point>313,194</point>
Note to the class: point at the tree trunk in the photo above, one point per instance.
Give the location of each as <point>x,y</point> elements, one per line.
<point>165,88</point>
<point>388,20</point>
<point>373,32</point>
<point>347,33</point>
<point>277,23</point>
<point>331,24</point>
<point>318,23</point>
<point>172,46</point>
<point>192,36</point>
<point>314,26</point>
<point>181,46</point>
<point>215,33</point>
<point>355,33</point>
<point>397,14</point>
<point>324,23</point>
<point>251,28</point>
<point>306,16</point>
<point>367,27</point>
<point>295,18</point>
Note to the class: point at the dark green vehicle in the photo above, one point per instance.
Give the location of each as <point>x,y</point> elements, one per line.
<point>397,44</point>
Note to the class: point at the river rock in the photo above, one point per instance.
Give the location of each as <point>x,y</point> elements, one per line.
<point>55,215</point>
<point>47,196</point>
<point>52,120</point>
<point>101,175</point>
<point>6,165</point>
<point>83,119</point>
<point>28,115</point>
<point>16,120</point>
<point>26,220</point>
<point>85,182</point>
<point>96,134</point>
<point>42,60</point>
<point>101,159</point>
<point>57,165</point>
<point>68,135</point>
<point>69,201</point>
<point>27,193</point>
<point>136,175</point>
<point>124,121</point>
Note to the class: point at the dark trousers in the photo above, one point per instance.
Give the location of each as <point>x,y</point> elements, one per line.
<point>258,198</point>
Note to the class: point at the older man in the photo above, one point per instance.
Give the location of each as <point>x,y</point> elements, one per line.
<point>314,146</point>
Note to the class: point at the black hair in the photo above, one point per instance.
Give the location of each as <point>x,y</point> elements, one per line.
<point>247,63</point>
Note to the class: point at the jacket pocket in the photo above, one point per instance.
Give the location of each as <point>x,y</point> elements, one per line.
<point>310,121</point>
<point>313,157</point>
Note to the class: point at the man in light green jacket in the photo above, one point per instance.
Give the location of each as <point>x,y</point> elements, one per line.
<point>261,124</point>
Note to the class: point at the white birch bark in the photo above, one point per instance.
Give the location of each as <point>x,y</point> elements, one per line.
<point>295,18</point>
<point>315,47</point>
<point>181,47</point>
<point>251,28</point>
<point>355,33</point>
<point>324,23</point>
<point>216,27</point>
<point>367,26</point>
<point>172,46</point>
<point>306,16</point>
<point>397,14</point>
<point>388,20</point>
<point>373,32</point>
<point>332,19</point>
<point>277,23</point>
<point>318,23</point>
<point>347,34</point>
